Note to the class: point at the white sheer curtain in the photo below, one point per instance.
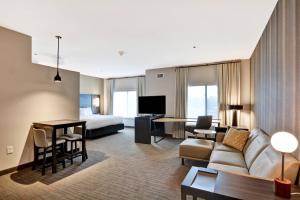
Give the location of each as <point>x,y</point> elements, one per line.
<point>109,95</point>
<point>229,85</point>
<point>181,100</point>
<point>141,86</point>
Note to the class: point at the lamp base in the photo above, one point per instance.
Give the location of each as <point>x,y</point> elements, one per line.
<point>283,187</point>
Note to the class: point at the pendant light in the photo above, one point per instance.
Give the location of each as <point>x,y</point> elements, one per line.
<point>57,78</point>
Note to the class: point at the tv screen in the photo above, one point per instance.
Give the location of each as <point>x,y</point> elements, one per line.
<point>152,105</point>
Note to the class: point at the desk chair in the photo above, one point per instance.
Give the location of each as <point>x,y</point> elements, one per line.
<point>203,122</point>
<point>41,141</point>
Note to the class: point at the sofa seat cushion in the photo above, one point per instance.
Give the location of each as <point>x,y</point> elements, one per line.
<point>228,158</point>
<point>257,145</point>
<point>228,168</point>
<point>198,149</point>
<point>268,165</point>
<point>219,146</point>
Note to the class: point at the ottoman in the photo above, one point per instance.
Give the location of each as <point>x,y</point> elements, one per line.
<point>195,149</point>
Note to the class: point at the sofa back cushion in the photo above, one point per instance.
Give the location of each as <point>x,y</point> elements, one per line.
<point>268,165</point>
<point>255,146</point>
<point>252,136</point>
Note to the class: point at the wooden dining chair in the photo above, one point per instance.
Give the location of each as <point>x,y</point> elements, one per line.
<point>44,143</point>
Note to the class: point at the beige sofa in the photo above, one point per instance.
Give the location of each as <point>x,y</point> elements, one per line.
<point>258,158</point>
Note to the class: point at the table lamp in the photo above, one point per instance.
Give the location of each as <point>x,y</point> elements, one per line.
<point>234,114</point>
<point>283,142</point>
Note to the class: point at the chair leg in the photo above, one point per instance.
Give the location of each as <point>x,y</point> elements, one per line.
<point>182,161</point>
<point>71,152</point>
<point>35,157</point>
<point>63,154</point>
<point>44,161</point>
<point>75,146</point>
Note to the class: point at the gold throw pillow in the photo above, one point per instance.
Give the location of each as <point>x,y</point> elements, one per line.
<point>236,138</point>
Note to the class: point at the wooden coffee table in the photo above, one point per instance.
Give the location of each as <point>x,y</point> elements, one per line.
<point>211,184</point>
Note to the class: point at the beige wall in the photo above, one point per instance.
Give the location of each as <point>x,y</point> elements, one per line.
<point>93,85</point>
<point>29,94</point>
<point>162,86</point>
<point>275,69</point>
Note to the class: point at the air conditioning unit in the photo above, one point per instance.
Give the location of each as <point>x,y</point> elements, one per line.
<point>160,75</point>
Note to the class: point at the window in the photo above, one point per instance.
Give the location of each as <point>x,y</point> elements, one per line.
<point>125,104</point>
<point>202,100</point>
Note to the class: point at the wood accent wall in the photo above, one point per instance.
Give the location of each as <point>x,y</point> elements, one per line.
<point>275,72</point>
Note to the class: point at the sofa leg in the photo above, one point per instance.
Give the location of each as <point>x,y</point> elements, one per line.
<point>182,161</point>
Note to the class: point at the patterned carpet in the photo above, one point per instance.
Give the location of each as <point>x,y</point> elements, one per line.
<point>117,168</point>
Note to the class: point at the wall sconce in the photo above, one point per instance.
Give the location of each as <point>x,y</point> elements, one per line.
<point>96,102</point>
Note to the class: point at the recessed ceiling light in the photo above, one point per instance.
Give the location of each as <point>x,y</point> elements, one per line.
<point>121,53</point>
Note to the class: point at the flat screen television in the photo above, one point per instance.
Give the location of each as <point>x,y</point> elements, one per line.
<point>152,105</point>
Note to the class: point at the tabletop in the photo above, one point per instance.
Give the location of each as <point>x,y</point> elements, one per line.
<point>62,122</point>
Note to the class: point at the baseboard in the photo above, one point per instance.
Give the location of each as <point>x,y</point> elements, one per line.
<point>13,169</point>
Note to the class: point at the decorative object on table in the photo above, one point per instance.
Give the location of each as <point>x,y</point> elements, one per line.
<point>283,142</point>
<point>234,108</point>
<point>57,78</point>
<point>236,138</point>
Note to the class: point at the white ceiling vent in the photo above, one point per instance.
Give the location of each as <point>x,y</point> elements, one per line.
<point>160,75</point>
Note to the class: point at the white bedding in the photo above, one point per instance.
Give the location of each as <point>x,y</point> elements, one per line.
<point>99,121</point>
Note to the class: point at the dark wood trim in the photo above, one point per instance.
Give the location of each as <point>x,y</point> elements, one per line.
<point>13,169</point>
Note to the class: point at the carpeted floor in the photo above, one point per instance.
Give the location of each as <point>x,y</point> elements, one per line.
<point>117,168</point>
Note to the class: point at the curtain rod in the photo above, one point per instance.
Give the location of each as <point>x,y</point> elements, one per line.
<point>127,77</point>
<point>201,65</point>
<point>208,64</point>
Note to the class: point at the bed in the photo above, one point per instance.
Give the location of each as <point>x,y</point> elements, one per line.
<point>97,125</point>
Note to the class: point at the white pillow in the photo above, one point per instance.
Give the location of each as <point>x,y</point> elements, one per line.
<point>85,111</point>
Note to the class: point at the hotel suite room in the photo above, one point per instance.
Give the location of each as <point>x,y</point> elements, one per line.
<point>207,103</point>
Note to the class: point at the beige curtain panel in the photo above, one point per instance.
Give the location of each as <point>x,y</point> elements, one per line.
<point>181,100</point>
<point>141,86</point>
<point>229,86</point>
<point>109,96</point>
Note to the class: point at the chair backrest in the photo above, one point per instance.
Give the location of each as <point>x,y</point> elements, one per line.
<point>40,138</point>
<point>204,122</point>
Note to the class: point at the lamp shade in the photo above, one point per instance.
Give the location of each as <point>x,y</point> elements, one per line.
<point>284,142</point>
<point>234,107</point>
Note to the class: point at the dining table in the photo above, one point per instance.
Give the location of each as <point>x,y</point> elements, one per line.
<point>64,124</point>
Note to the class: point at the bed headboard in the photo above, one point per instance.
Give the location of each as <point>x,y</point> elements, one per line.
<point>86,101</point>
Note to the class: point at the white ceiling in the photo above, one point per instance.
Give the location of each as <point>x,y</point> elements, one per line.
<point>152,33</point>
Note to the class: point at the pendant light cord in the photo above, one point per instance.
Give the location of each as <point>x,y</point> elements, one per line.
<point>57,63</point>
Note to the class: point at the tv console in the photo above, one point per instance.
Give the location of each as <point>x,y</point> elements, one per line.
<point>145,127</point>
